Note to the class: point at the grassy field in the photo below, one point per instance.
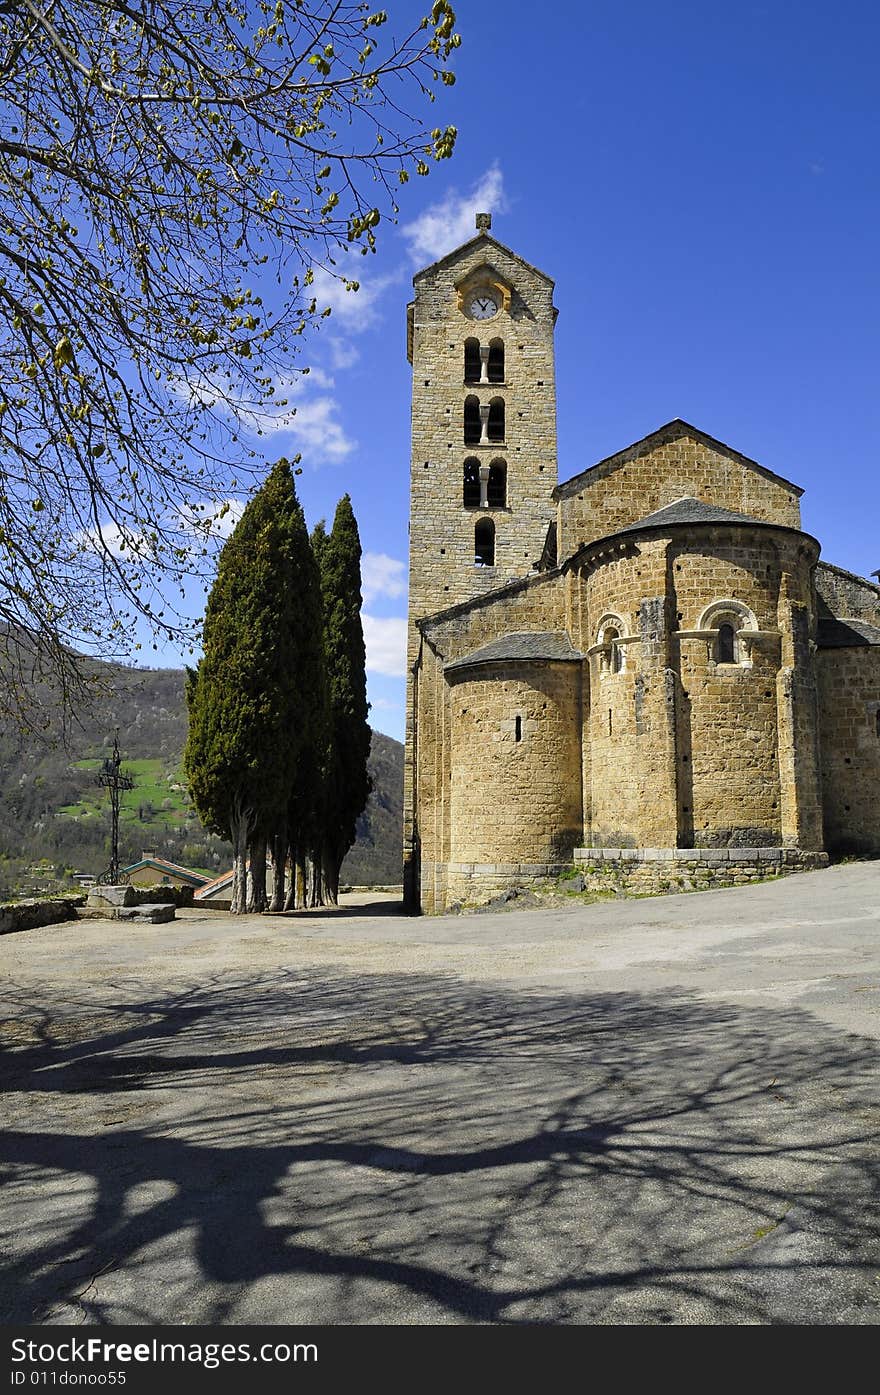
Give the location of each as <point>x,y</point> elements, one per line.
<point>153,802</point>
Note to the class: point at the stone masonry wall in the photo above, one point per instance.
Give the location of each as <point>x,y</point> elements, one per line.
<point>727,733</point>
<point>848,595</point>
<point>849,716</point>
<point>442,570</point>
<point>516,763</point>
<point>658,473</point>
<point>538,604</point>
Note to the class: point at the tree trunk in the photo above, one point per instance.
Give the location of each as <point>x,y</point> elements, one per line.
<point>257,901</point>
<point>328,885</point>
<point>301,882</point>
<point>279,869</point>
<point>240,827</point>
<point>290,898</point>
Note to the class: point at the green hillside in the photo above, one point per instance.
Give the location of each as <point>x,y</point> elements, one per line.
<point>54,817</point>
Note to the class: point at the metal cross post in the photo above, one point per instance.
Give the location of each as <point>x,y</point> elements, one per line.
<point>113,778</point>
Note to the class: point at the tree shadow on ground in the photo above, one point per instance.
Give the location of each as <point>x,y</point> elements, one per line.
<point>333,1147</point>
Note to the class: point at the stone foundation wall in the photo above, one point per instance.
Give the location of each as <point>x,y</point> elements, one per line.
<point>654,871</point>
<point>638,871</point>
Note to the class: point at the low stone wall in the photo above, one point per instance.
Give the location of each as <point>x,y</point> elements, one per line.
<point>641,871</point>
<point>654,871</point>
<point>32,914</point>
<point>473,882</point>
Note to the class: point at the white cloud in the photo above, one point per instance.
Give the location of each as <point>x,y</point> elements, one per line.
<point>382,576</point>
<point>356,310</point>
<point>218,519</point>
<point>310,422</point>
<point>450,222</point>
<point>386,645</point>
<point>314,429</point>
<point>342,353</point>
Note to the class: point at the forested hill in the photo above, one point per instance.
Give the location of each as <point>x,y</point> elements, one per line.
<point>52,810</point>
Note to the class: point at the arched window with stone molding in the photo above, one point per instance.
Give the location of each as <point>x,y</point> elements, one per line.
<point>612,653</point>
<point>730,620</point>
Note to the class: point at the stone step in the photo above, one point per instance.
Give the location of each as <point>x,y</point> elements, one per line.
<point>148,914</point>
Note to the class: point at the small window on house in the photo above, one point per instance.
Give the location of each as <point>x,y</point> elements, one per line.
<point>495,429</point>
<point>472,360</point>
<point>725,644</point>
<point>484,543</point>
<point>496,361</point>
<point>471,421</point>
<point>471,497</point>
<point>497,491</point>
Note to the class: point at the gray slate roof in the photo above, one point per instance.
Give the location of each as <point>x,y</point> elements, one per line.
<point>554,645</point>
<point>834,633</point>
<point>688,510</point>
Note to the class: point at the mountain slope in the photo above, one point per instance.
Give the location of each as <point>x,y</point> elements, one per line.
<point>51,808</point>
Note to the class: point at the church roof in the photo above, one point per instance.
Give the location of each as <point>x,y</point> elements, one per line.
<point>687,510</point>
<point>684,513</point>
<point>835,633</point>
<point>552,645</point>
<point>671,431</point>
<point>485,241</point>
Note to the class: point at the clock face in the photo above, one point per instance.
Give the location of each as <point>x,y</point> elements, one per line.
<point>483,306</point>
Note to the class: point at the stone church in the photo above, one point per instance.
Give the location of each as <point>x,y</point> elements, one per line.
<point>644,670</point>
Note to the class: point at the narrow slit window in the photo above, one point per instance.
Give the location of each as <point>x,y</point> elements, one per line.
<point>471,421</point>
<point>518,729</point>
<point>472,360</point>
<point>497,488</point>
<point>725,647</point>
<point>496,361</point>
<point>471,484</point>
<point>612,658</point>
<point>495,428</point>
<point>484,543</point>
<point>877,723</point>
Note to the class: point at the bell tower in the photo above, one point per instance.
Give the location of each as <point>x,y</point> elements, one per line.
<point>483,465</point>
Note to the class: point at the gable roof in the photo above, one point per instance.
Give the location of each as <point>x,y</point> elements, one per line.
<point>671,431</point>
<point>217,884</point>
<point>836,633</point>
<point>548,645</point>
<point>485,240</point>
<point>162,865</point>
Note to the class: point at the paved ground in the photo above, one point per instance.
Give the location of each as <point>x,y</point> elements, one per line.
<point>643,1111</point>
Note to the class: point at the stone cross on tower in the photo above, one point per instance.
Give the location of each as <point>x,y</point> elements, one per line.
<point>484,222</point>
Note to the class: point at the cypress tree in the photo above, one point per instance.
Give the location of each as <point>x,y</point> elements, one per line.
<point>347,784</point>
<point>250,700</point>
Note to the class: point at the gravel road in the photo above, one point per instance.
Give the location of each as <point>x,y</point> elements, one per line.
<point>660,1111</point>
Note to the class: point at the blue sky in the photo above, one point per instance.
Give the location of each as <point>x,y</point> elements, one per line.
<point>703,184</point>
